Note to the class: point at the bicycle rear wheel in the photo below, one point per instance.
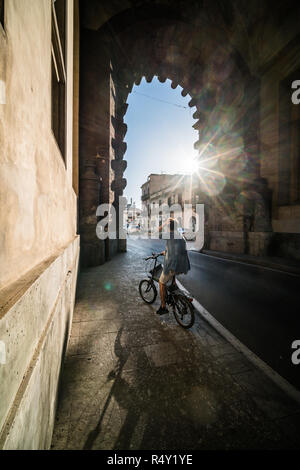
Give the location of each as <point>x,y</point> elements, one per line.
<point>147,291</point>
<point>183,312</point>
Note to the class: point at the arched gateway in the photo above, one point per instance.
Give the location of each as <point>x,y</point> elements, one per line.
<point>192,46</point>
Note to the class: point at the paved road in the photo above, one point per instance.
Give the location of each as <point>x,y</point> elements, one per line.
<point>257,305</point>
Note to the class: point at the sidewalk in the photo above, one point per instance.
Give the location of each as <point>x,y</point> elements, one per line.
<point>135,380</point>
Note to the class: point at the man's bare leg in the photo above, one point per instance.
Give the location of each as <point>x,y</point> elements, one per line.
<point>162,295</point>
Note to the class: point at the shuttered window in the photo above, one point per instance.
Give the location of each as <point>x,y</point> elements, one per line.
<point>59,78</point>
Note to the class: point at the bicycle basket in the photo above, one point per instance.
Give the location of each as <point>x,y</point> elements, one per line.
<point>156,272</point>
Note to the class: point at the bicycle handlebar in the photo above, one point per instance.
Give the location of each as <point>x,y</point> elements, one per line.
<point>153,256</point>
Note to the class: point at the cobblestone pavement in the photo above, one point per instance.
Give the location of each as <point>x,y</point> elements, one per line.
<point>136,380</point>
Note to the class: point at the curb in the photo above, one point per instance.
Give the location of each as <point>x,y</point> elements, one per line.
<point>282,383</point>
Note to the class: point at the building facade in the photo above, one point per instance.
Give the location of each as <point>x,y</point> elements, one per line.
<point>132,215</point>
<point>39,245</point>
<point>173,190</point>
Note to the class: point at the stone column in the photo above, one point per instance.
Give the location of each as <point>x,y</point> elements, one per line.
<point>257,224</point>
<point>92,249</point>
<point>118,164</point>
<point>94,142</point>
<point>251,124</point>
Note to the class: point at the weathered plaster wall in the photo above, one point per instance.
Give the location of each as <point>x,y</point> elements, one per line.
<point>37,201</point>
<point>39,248</point>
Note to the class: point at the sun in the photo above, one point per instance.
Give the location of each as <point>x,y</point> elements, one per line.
<point>190,165</point>
<point>184,162</point>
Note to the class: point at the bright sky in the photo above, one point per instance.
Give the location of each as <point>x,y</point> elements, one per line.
<point>160,136</point>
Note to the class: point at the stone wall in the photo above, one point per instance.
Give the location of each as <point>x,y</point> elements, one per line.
<point>35,321</point>
<point>286,245</point>
<point>276,148</point>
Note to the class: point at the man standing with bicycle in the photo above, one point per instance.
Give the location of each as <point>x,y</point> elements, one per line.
<point>176,262</point>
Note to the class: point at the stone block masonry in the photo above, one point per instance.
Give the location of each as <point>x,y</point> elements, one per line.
<point>35,320</point>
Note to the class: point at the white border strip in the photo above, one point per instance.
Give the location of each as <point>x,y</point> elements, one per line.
<point>288,388</point>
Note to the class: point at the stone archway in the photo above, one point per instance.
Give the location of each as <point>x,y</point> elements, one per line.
<point>163,41</point>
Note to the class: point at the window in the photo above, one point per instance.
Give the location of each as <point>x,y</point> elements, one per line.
<point>289,145</point>
<point>59,73</point>
<point>2,12</point>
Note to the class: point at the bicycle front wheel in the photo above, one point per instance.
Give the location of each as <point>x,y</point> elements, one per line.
<point>147,291</point>
<point>183,312</point>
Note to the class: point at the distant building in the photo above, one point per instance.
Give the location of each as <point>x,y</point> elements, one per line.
<point>168,189</point>
<point>133,214</point>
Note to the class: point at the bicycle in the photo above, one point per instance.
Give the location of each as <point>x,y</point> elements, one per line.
<point>181,304</point>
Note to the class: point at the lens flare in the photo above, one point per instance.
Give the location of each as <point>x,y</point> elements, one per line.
<point>191,165</point>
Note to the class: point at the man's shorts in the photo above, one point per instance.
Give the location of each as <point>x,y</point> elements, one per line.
<point>165,278</point>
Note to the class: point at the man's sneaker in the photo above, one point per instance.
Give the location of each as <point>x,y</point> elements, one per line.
<point>161,311</point>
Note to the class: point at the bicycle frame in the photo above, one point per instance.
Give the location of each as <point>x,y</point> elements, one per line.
<point>169,294</point>
<point>150,275</point>
<point>175,298</point>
